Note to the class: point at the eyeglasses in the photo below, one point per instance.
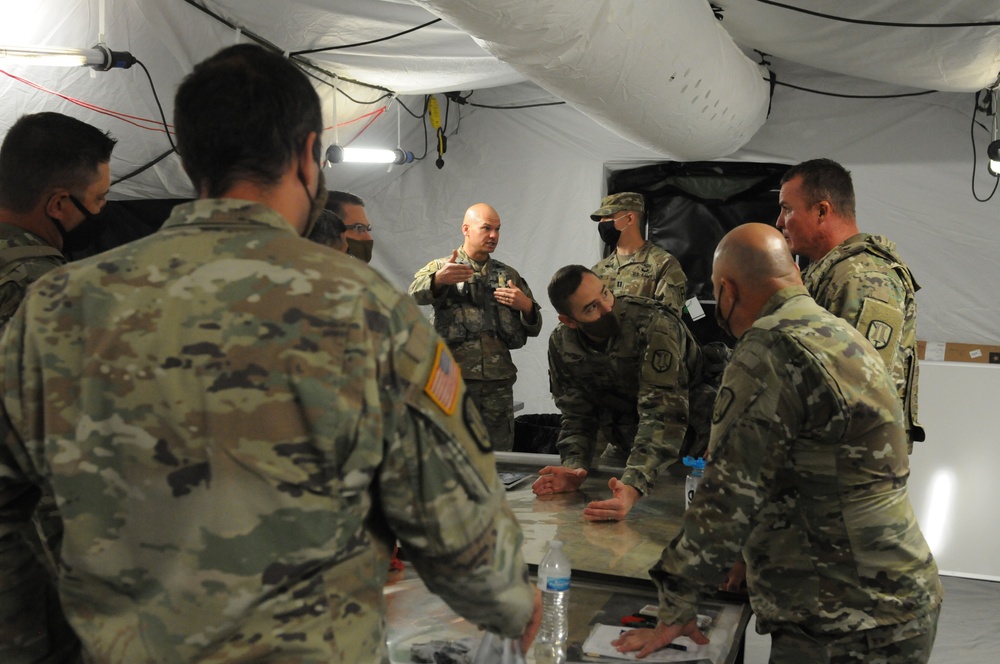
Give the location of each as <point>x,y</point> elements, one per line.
<point>359,228</point>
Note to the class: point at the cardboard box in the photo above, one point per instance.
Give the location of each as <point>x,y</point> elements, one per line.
<point>956,352</point>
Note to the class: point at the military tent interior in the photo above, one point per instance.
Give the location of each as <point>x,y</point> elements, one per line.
<point>543,105</point>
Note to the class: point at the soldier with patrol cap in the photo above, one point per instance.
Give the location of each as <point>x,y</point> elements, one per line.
<point>619,370</point>
<point>484,309</point>
<point>806,476</point>
<point>636,266</point>
<point>237,423</point>
<point>854,275</point>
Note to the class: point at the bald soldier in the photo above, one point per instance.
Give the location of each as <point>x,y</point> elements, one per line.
<point>854,275</point>
<point>636,266</point>
<point>237,423</point>
<point>806,476</point>
<point>484,309</point>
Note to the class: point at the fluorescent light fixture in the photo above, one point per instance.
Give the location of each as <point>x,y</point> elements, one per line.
<point>100,57</point>
<point>336,154</point>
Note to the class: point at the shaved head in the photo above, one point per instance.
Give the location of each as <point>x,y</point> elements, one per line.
<point>480,211</point>
<point>753,255</point>
<point>752,263</point>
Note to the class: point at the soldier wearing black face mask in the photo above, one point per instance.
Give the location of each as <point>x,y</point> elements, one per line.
<point>636,266</point>
<point>358,230</point>
<point>54,175</point>
<point>620,371</point>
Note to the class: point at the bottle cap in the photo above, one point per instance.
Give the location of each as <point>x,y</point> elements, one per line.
<point>691,462</point>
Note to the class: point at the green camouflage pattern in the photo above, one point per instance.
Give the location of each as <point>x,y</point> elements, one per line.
<point>866,267</point>
<point>806,477</point>
<point>481,332</point>
<point>638,384</point>
<point>17,275</point>
<point>905,643</point>
<point>627,200</point>
<point>650,272</point>
<point>495,401</point>
<point>235,426</point>
<point>17,272</point>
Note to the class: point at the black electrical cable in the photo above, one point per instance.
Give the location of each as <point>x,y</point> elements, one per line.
<point>144,167</point>
<point>847,96</point>
<point>166,128</point>
<point>302,62</point>
<point>972,135</point>
<point>407,108</point>
<point>365,43</point>
<point>891,24</point>
<point>156,97</point>
<point>386,95</point>
<point>507,108</point>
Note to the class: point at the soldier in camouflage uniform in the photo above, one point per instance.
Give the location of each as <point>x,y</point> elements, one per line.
<point>54,175</point>
<point>484,309</point>
<point>238,422</point>
<point>856,276</point>
<point>636,267</point>
<point>621,366</point>
<point>806,477</point>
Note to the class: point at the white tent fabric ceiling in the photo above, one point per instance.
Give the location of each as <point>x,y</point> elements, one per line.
<point>911,156</point>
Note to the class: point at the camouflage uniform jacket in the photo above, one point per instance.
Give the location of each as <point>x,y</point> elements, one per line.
<point>17,271</point>
<point>806,476</point>
<point>864,281</point>
<point>480,332</point>
<point>642,376</point>
<point>237,424</point>
<point>650,272</point>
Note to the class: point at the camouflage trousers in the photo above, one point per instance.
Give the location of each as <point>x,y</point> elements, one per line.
<point>909,643</point>
<point>495,400</point>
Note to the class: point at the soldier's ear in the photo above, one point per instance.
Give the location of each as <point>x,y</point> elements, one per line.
<point>567,321</point>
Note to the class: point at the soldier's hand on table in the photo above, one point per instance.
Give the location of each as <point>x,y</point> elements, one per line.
<point>534,623</point>
<point>615,508</point>
<point>513,297</point>
<point>648,641</point>
<point>557,479</point>
<point>451,272</point>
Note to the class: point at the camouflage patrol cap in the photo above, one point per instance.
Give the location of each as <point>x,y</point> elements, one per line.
<point>626,200</point>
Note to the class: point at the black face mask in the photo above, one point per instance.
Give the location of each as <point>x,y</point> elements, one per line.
<point>87,214</point>
<point>724,321</point>
<point>608,232</point>
<point>85,234</point>
<point>603,328</point>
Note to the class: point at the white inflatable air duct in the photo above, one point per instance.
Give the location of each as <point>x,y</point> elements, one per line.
<point>662,74</point>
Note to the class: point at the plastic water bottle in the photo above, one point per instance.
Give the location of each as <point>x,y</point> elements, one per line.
<point>697,467</point>
<point>553,580</point>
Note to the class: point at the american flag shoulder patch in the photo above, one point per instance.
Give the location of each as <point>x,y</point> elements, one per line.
<point>442,385</point>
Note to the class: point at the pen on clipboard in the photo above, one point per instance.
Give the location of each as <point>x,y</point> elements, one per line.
<point>671,646</point>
